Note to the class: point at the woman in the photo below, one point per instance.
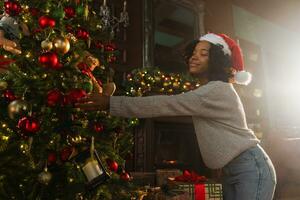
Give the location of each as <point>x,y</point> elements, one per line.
<point>224,139</point>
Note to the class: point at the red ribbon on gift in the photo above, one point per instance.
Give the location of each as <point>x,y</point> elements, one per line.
<point>191,177</point>
<point>199,191</point>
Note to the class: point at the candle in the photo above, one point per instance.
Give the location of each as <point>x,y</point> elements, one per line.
<point>125,4</point>
<point>104,3</point>
<point>92,170</point>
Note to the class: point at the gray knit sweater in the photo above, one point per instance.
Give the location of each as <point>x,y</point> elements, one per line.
<point>217,112</point>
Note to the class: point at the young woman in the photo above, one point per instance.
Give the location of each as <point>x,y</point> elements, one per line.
<point>218,115</point>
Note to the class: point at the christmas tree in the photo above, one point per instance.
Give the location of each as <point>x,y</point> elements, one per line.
<point>53,54</point>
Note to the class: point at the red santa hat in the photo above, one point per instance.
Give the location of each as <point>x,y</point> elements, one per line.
<point>231,48</point>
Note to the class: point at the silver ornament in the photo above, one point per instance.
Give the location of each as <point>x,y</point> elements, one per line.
<point>18,107</point>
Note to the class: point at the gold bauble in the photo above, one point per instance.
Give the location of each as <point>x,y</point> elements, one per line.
<point>17,107</point>
<point>47,45</point>
<point>45,177</point>
<point>3,85</point>
<point>61,45</point>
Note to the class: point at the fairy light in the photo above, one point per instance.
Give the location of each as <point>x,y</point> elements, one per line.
<point>5,138</point>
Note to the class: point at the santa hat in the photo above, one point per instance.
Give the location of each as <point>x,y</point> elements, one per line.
<point>231,48</point>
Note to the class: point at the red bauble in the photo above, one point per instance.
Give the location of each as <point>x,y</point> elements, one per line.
<point>76,94</point>
<point>99,45</point>
<point>45,21</point>
<point>51,158</point>
<point>125,176</point>
<point>54,97</point>
<point>110,47</point>
<point>81,33</point>
<point>65,153</point>
<point>29,125</point>
<point>112,165</point>
<point>49,59</point>
<point>98,127</point>
<point>51,22</point>
<point>69,28</point>
<point>9,95</point>
<point>69,12</point>
<point>112,59</point>
<point>12,8</point>
<point>34,11</point>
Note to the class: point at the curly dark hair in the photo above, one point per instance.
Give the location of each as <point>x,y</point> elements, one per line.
<point>219,64</point>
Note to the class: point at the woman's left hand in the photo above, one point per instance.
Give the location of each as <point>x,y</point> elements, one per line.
<point>95,101</point>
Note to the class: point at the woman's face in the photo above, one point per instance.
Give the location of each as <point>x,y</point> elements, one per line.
<point>198,62</point>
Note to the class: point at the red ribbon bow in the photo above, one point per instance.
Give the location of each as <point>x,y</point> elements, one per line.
<point>190,176</point>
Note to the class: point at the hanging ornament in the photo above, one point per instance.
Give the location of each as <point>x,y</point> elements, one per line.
<point>125,176</point>
<point>54,97</point>
<point>112,59</point>
<point>29,125</point>
<point>110,47</point>
<point>66,153</point>
<point>69,12</point>
<point>51,22</point>
<point>91,166</point>
<point>45,176</point>
<point>81,33</point>
<point>12,8</point>
<point>46,21</point>
<point>61,45</point>
<point>34,12</point>
<point>86,12</point>
<point>43,21</point>
<point>76,94</point>
<point>52,158</point>
<point>46,45</point>
<point>9,95</point>
<point>69,28</point>
<point>112,165</point>
<point>99,45</point>
<point>3,85</point>
<point>18,108</point>
<point>98,127</point>
<point>49,59</point>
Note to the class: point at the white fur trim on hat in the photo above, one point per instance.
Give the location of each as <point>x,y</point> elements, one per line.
<point>215,39</point>
<point>243,77</point>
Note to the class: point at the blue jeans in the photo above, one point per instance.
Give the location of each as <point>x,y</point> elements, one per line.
<point>250,176</point>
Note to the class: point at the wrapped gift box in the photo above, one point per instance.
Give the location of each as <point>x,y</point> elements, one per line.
<point>202,191</point>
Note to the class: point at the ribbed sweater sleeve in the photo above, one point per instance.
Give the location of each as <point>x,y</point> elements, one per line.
<point>193,103</point>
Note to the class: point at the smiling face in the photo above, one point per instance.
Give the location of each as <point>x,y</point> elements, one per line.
<point>198,62</point>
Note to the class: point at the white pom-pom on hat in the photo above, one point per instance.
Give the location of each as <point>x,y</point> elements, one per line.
<point>230,47</point>
<point>243,77</point>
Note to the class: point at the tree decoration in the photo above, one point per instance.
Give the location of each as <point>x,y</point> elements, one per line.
<point>49,59</point>
<point>29,125</point>
<point>112,165</point>
<point>9,95</point>
<point>12,8</point>
<point>45,176</point>
<point>46,21</point>
<point>46,45</point>
<point>54,97</point>
<point>82,33</point>
<point>69,12</point>
<point>61,45</point>
<point>18,108</point>
<point>98,127</point>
